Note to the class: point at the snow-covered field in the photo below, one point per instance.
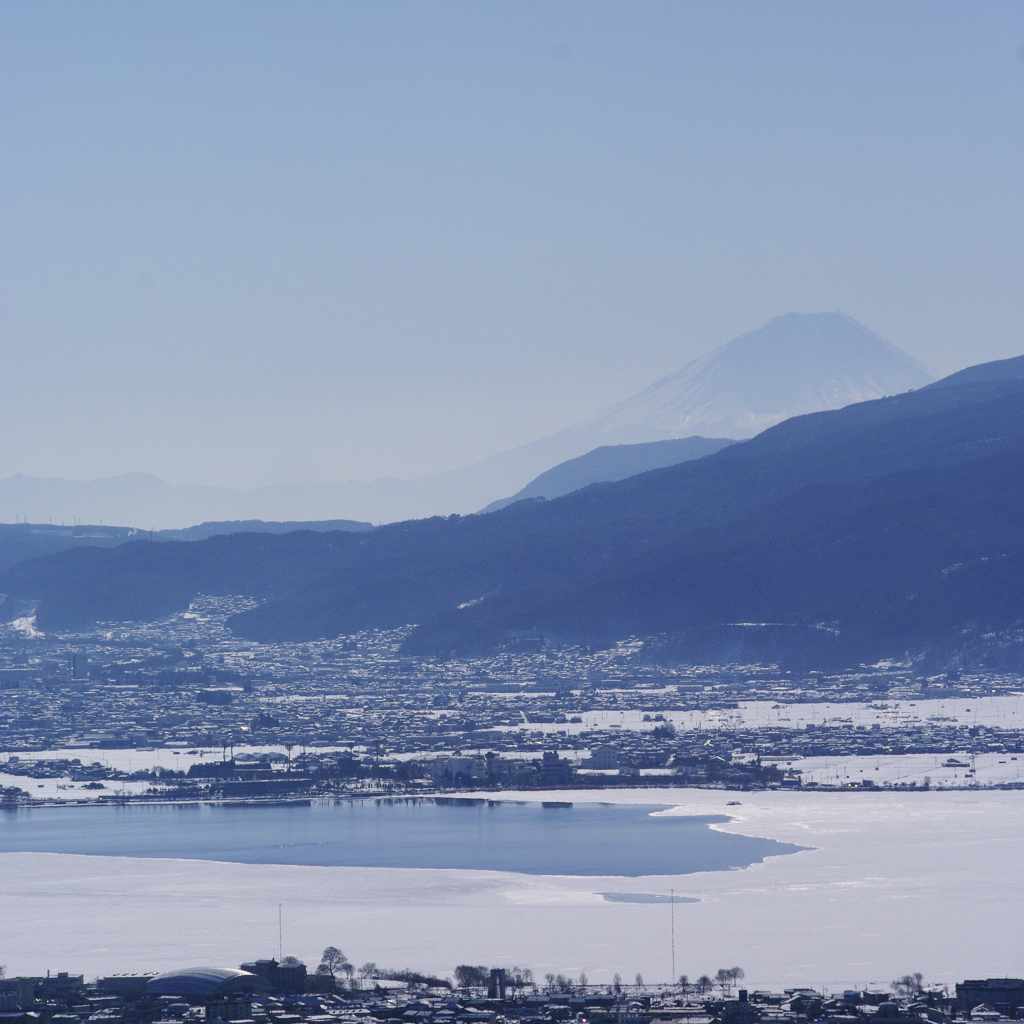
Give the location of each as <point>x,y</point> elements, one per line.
<point>895,882</point>
<point>931,769</point>
<point>1004,711</point>
<point>64,789</point>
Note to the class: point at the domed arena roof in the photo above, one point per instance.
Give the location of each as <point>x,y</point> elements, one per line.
<point>203,982</point>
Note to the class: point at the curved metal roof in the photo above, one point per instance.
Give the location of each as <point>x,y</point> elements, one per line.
<point>203,981</point>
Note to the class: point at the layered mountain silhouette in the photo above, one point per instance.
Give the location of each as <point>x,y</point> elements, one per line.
<point>613,462</point>
<point>890,527</point>
<point>206,530</point>
<point>794,364</point>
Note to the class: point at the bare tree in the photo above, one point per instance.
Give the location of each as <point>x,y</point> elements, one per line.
<point>639,981</point>
<point>334,962</point>
<point>518,978</point>
<point>704,985</point>
<point>909,985</point>
<point>467,976</point>
<point>617,983</point>
<point>684,984</point>
<point>726,977</point>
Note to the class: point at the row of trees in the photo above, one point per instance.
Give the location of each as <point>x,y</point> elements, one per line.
<point>724,979</point>
<point>559,983</point>
<point>516,978</point>
<point>337,965</point>
<point>909,985</point>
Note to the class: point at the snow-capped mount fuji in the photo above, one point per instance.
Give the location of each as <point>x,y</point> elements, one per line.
<point>794,364</point>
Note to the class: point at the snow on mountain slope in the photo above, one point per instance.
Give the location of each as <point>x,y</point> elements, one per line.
<point>794,364</point>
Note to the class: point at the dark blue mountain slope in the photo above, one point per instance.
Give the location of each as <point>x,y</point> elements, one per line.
<point>885,527</point>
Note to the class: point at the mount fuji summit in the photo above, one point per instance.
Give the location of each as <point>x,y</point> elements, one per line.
<point>794,364</point>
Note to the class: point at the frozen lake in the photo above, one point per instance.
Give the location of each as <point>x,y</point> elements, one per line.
<point>557,838</point>
<point>889,883</point>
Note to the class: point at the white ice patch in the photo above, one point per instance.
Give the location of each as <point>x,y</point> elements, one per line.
<point>895,882</point>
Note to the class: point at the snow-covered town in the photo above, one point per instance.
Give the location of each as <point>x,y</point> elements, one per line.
<point>181,709</point>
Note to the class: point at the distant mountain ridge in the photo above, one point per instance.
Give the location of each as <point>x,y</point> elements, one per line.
<point>21,541</point>
<point>885,530</point>
<point>793,364</point>
<point>998,369</point>
<point>206,530</point>
<point>611,463</point>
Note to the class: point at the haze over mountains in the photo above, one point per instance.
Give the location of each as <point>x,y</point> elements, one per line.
<point>887,528</point>
<point>794,364</point>
<point>613,462</point>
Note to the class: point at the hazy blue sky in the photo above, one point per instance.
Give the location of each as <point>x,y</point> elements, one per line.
<point>250,242</point>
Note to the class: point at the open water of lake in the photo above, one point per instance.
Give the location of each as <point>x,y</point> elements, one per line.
<point>585,839</point>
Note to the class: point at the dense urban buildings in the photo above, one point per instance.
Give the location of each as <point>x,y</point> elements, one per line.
<point>243,720</point>
<point>286,992</point>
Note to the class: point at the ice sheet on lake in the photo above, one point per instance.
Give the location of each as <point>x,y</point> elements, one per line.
<point>646,897</point>
<point>930,882</point>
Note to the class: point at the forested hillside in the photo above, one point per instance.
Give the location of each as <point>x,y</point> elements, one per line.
<point>888,526</point>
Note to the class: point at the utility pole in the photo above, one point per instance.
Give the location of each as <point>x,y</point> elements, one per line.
<point>672,904</point>
<point>279,943</point>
